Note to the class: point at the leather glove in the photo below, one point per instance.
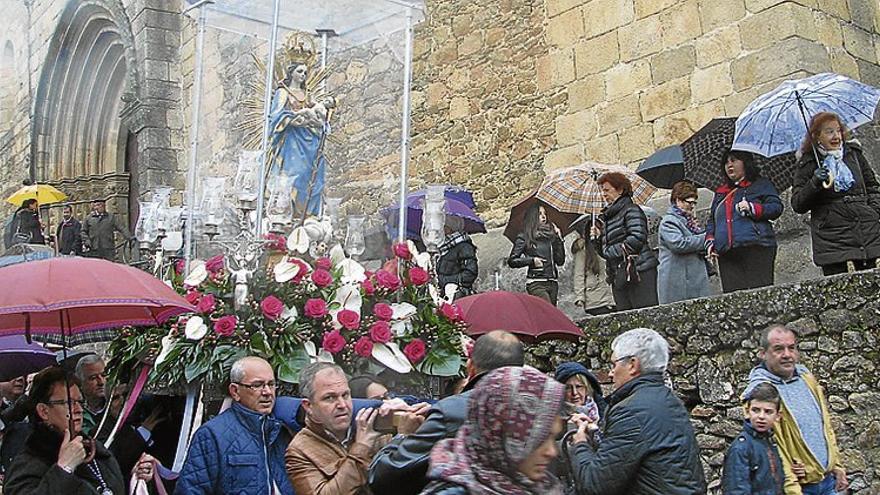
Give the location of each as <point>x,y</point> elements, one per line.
<point>820,175</point>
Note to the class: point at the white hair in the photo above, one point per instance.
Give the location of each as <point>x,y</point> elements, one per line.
<point>87,360</point>
<point>237,372</point>
<point>647,345</point>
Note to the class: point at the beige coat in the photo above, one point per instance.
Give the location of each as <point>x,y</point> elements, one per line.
<point>590,289</point>
<point>318,464</point>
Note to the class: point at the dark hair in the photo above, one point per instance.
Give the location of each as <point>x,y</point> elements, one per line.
<point>28,202</point>
<point>752,173</point>
<point>764,342</point>
<point>44,382</point>
<point>361,383</point>
<point>67,207</point>
<point>682,190</point>
<point>531,222</point>
<point>764,392</point>
<point>497,349</point>
<point>816,124</point>
<point>618,181</point>
<point>288,73</point>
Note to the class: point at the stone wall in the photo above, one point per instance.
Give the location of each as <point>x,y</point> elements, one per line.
<point>714,343</point>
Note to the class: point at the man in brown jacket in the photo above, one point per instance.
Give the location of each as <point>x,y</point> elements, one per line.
<point>329,456</point>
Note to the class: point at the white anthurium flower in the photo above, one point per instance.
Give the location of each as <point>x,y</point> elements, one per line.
<point>450,291</point>
<point>298,240</point>
<point>337,254</point>
<point>402,311</point>
<point>167,342</point>
<point>390,356</point>
<point>197,274</point>
<point>423,260</point>
<point>285,271</point>
<point>195,328</point>
<point>412,247</point>
<point>349,297</point>
<point>315,356</point>
<point>401,327</point>
<point>434,292</point>
<point>289,315</point>
<point>352,271</point>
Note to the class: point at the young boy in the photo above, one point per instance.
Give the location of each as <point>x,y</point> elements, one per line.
<point>752,465</point>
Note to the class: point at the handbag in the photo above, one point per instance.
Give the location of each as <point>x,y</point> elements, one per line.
<point>626,272</point>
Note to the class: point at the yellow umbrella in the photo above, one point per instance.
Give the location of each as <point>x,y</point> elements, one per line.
<point>43,193</point>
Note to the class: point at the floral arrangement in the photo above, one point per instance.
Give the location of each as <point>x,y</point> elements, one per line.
<point>298,311</point>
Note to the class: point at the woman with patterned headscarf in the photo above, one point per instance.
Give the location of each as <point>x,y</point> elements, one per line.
<point>508,440</point>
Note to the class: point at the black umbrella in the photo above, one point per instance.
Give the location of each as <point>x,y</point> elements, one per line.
<point>704,150</point>
<point>664,168</point>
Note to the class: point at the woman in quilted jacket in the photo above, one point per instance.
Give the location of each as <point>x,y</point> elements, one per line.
<point>739,230</point>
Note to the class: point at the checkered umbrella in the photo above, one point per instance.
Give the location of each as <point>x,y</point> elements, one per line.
<point>575,190</point>
<point>704,150</point>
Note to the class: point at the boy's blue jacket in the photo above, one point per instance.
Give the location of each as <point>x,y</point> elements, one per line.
<point>752,465</point>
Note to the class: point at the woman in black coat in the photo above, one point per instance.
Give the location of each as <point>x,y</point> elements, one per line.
<point>539,247</point>
<point>842,196</point>
<point>457,259</point>
<point>29,221</point>
<point>630,264</point>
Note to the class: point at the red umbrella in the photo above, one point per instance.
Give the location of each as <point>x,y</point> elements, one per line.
<point>530,318</point>
<point>518,214</point>
<point>81,297</point>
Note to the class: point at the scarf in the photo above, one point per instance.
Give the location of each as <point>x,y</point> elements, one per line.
<point>692,224</point>
<point>451,241</point>
<point>510,414</point>
<point>545,231</point>
<point>833,161</point>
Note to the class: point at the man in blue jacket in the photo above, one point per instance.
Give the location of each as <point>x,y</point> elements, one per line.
<point>242,449</point>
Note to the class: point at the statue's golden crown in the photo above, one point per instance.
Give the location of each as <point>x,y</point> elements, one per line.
<point>300,47</point>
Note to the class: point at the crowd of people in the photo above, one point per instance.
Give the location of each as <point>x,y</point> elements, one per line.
<point>512,429</point>
<point>836,185</point>
<point>93,237</point>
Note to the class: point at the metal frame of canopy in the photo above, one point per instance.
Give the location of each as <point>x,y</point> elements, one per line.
<point>209,13</point>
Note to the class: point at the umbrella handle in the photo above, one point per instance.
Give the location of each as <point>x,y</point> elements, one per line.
<point>828,184</point>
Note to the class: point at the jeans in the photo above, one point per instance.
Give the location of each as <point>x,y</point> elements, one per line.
<point>824,487</point>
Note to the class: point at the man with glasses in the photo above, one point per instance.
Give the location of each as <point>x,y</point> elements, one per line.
<point>242,449</point>
<point>804,434</point>
<point>648,443</point>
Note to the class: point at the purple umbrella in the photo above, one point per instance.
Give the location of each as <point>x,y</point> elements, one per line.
<point>18,358</point>
<point>457,205</point>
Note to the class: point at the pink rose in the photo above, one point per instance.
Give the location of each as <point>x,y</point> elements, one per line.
<point>450,312</point>
<point>418,276</point>
<point>348,319</point>
<point>401,250</point>
<point>225,326</point>
<point>415,350</point>
<point>368,287</point>
<point>193,297</point>
<point>333,342</point>
<point>214,264</point>
<point>315,308</point>
<point>272,307</point>
<point>323,263</point>
<point>364,347</point>
<point>207,304</point>
<point>303,270</point>
<point>383,311</point>
<point>387,280</point>
<point>322,278</point>
<point>380,332</point>
<point>180,266</point>
<point>275,242</point>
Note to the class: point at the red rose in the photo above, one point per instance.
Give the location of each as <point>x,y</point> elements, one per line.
<point>380,332</point>
<point>322,278</point>
<point>450,311</point>
<point>206,304</point>
<point>333,342</point>
<point>418,276</point>
<point>415,350</point>
<point>323,263</point>
<point>214,264</point>
<point>303,270</point>
<point>401,250</point>
<point>225,326</point>
<point>383,311</point>
<point>193,297</point>
<point>364,347</point>
<point>348,319</point>
<point>272,307</point>
<point>387,280</point>
<point>369,288</point>
<point>275,242</point>
<point>180,266</point>
<point>315,308</point>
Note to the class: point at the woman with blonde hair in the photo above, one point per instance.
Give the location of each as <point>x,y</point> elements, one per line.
<point>842,195</point>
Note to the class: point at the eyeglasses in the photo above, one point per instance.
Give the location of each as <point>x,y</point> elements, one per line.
<point>63,402</point>
<point>624,358</point>
<point>690,201</point>
<point>258,386</point>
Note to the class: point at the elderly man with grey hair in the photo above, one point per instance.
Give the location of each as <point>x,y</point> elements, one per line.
<point>242,449</point>
<point>648,444</point>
